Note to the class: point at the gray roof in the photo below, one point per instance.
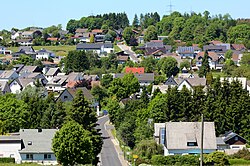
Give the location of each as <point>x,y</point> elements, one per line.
<point>29,69</point>
<point>43,51</point>
<point>58,80</point>
<point>3,85</point>
<point>83,46</point>
<point>84,90</point>
<point>155,44</point>
<point>25,81</point>
<point>75,76</point>
<point>10,138</point>
<point>40,141</point>
<point>179,133</point>
<point>6,73</point>
<point>141,77</point>
<point>52,71</point>
<point>216,48</point>
<point>185,49</point>
<point>196,81</point>
<point>220,141</point>
<point>26,48</point>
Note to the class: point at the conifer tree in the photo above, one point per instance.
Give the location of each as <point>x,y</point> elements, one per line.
<point>205,68</point>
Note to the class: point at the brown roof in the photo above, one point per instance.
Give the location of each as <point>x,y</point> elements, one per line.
<point>122,58</point>
<point>212,55</point>
<point>215,42</point>
<point>81,30</point>
<point>196,81</point>
<point>235,57</point>
<point>238,47</point>
<point>84,90</point>
<point>97,31</point>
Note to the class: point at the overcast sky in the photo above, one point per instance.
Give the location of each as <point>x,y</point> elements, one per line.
<point>43,13</point>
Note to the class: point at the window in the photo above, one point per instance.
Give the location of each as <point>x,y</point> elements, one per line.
<point>65,97</point>
<point>29,156</point>
<point>236,138</point>
<point>192,144</point>
<point>47,156</point>
<point>162,135</point>
<point>29,142</point>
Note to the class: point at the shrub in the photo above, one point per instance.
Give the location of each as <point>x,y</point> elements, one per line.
<point>216,158</point>
<point>7,160</point>
<point>239,162</point>
<point>175,160</point>
<point>242,154</point>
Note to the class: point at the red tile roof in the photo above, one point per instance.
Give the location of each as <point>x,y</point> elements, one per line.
<point>139,70</point>
<point>52,39</point>
<point>97,31</point>
<point>215,42</point>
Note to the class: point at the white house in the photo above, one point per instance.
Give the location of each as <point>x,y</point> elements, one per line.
<point>190,83</point>
<point>10,146</point>
<point>44,54</point>
<point>37,146</point>
<point>185,137</point>
<point>99,48</point>
<point>57,84</point>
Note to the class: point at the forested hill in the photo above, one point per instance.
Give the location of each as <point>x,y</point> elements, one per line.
<point>192,28</point>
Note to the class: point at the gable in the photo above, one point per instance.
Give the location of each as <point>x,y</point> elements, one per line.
<point>170,81</point>
<point>186,84</point>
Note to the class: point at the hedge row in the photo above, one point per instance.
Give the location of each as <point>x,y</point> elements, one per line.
<point>7,160</point>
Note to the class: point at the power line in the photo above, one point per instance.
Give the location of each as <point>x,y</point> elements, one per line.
<point>170,7</point>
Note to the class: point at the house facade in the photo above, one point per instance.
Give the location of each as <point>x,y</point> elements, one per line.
<point>37,146</point>
<point>10,146</point>
<point>185,137</point>
<point>99,48</point>
<point>44,54</point>
<point>186,52</point>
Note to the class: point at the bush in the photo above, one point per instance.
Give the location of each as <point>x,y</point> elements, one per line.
<point>175,160</point>
<point>7,160</point>
<point>239,162</point>
<point>242,154</point>
<point>216,158</point>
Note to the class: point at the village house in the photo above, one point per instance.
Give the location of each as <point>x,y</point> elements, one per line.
<point>144,79</point>
<point>185,137</point>
<point>24,50</point>
<point>44,54</point>
<point>99,48</point>
<point>24,42</point>
<point>8,75</point>
<point>186,52</point>
<point>37,146</point>
<point>215,60</point>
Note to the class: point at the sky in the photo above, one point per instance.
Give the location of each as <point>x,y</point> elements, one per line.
<point>43,13</point>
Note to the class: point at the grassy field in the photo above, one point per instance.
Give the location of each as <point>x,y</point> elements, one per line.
<point>116,48</point>
<point>216,74</point>
<point>59,50</point>
<point>12,164</point>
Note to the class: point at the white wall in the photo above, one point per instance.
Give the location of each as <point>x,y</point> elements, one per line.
<point>184,83</point>
<point>10,150</point>
<point>15,87</point>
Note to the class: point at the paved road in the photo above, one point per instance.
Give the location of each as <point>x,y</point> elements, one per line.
<point>109,156</point>
<point>128,50</point>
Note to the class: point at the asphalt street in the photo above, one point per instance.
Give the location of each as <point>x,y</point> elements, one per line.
<point>108,156</point>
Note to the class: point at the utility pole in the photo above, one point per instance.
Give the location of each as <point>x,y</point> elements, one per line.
<point>202,135</point>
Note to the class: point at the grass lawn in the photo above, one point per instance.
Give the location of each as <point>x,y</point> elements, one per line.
<point>239,162</point>
<point>13,164</point>
<point>61,50</point>
<point>116,48</point>
<point>216,74</point>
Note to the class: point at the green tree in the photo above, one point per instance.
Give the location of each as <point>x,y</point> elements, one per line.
<point>148,148</point>
<point>168,66</point>
<point>92,38</point>
<point>135,21</point>
<point>72,145</point>
<point>185,64</point>
<point>205,68</point>
<point>229,54</point>
<point>151,33</point>
<point>106,80</point>
<point>128,34</point>
<point>76,61</point>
